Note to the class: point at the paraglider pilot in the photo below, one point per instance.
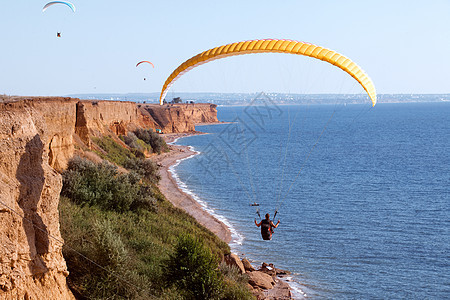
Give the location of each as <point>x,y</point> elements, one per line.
<point>58,34</point>
<point>267,227</point>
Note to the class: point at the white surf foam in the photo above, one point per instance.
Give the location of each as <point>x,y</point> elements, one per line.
<point>174,141</point>
<point>297,292</point>
<point>236,238</point>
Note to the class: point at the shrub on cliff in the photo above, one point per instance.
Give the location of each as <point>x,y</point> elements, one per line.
<point>153,139</point>
<point>145,168</point>
<point>138,146</point>
<point>192,268</point>
<point>87,183</point>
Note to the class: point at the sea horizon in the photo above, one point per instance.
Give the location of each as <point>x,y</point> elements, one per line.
<point>279,98</point>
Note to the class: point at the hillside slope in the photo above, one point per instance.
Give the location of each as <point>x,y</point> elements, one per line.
<point>38,136</point>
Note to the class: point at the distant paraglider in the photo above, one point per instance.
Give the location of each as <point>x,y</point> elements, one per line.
<point>66,3</point>
<point>145,61</point>
<point>274,46</point>
<point>70,5</point>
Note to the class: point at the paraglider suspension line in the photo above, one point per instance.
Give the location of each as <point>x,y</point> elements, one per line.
<point>257,212</point>
<point>304,162</point>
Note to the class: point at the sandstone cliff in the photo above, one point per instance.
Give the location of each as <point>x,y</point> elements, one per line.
<point>174,118</point>
<point>31,263</point>
<point>37,138</point>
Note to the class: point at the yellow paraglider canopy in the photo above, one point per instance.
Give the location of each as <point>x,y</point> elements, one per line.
<point>274,46</point>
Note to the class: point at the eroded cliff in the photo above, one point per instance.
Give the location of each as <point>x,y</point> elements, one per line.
<point>31,261</point>
<point>174,118</point>
<point>37,138</point>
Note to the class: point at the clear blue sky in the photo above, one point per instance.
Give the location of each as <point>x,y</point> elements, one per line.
<point>404,46</point>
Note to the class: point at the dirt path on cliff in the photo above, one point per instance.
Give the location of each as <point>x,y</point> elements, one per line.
<point>178,198</point>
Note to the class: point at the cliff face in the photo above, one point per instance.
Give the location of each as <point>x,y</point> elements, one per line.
<point>31,263</point>
<point>181,117</point>
<point>59,117</point>
<point>200,113</point>
<point>94,118</point>
<point>37,137</point>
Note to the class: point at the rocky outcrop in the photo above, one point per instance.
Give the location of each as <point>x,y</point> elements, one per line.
<point>260,279</point>
<point>266,282</point>
<point>234,261</point>
<point>38,136</point>
<point>247,265</point>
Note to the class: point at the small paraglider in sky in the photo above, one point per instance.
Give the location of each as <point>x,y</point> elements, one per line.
<point>66,3</point>
<point>70,5</point>
<point>145,61</point>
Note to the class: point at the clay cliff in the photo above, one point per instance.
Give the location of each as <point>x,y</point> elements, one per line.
<point>37,138</point>
<point>174,118</point>
<point>31,263</point>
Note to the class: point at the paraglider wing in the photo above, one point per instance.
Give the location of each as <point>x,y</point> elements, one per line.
<point>274,46</point>
<point>144,61</point>
<point>72,7</point>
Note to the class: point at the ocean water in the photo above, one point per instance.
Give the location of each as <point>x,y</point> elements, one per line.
<point>363,194</point>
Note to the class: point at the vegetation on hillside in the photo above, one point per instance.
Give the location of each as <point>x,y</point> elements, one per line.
<point>153,139</point>
<point>125,241</point>
<point>140,142</point>
<point>87,183</point>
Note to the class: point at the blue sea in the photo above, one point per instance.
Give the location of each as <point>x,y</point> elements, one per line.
<point>362,193</point>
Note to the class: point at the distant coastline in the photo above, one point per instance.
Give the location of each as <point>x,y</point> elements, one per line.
<point>228,99</point>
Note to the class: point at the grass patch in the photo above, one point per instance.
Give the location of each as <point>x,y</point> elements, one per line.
<point>123,239</point>
<point>134,246</point>
<point>112,151</point>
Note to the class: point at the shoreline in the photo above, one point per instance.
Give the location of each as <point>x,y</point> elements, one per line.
<point>169,187</point>
<point>179,198</point>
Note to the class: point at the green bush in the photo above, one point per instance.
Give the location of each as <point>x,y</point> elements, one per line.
<point>138,147</point>
<point>145,168</point>
<point>192,268</point>
<point>87,183</point>
<point>153,139</point>
<point>131,140</point>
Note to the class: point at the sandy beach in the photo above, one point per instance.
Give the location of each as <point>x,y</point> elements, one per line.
<point>170,189</point>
